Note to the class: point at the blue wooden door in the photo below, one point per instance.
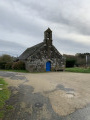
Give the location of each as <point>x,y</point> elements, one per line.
<point>48,66</point>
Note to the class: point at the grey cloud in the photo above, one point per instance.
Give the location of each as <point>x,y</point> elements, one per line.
<point>76,25</point>
<point>12,21</point>
<point>67,15</point>
<point>70,46</point>
<point>27,22</point>
<point>12,48</point>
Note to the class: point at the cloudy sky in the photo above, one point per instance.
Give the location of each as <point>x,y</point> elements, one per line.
<point>23,22</point>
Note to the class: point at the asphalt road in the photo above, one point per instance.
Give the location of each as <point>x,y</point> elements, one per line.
<point>39,100</point>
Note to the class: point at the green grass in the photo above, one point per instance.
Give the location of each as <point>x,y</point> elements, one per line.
<point>78,70</point>
<point>4,95</point>
<point>23,71</point>
<point>9,107</point>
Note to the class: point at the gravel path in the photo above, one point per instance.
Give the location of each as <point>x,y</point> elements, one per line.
<point>48,96</point>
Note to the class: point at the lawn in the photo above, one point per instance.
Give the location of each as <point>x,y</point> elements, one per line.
<point>4,95</point>
<point>23,71</point>
<point>78,70</point>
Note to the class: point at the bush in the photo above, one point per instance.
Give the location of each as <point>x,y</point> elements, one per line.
<point>18,65</point>
<point>2,65</point>
<point>6,58</point>
<point>70,63</point>
<point>8,66</point>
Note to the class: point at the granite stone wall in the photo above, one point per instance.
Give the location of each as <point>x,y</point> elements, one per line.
<point>37,61</point>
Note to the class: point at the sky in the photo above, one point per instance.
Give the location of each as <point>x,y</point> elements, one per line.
<point>23,22</point>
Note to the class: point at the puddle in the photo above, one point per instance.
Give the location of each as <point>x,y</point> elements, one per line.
<point>61,87</point>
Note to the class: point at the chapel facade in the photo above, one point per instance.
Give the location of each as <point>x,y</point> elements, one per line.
<point>43,56</point>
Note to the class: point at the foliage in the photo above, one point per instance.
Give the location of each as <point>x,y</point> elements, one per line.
<point>2,114</point>
<point>9,107</point>
<point>6,58</point>
<point>18,65</point>
<point>70,62</point>
<point>4,95</point>
<point>8,65</point>
<point>7,62</point>
<point>2,65</point>
<point>78,60</point>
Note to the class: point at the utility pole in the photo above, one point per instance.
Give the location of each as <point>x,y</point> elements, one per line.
<point>86,61</point>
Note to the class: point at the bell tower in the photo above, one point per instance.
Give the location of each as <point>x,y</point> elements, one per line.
<point>48,37</point>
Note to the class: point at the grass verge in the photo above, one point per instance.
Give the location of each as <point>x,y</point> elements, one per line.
<point>78,70</point>
<point>23,71</point>
<point>4,95</point>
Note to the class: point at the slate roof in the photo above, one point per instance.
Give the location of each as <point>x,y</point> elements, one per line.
<point>29,51</point>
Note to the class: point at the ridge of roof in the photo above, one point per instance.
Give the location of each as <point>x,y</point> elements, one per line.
<point>56,50</point>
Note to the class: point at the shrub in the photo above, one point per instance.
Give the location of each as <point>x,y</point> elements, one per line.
<point>8,66</point>
<point>70,63</point>
<point>2,65</point>
<point>18,65</point>
<point>6,58</point>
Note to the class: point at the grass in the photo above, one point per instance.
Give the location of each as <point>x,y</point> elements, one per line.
<point>9,107</point>
<point>78,70</point>
<point>4,95</point>
<point>23,71</point>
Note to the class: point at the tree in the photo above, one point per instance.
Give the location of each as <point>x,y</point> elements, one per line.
<point>70,60</point>
<point>70,63</point>
<point>81,59</point>
<point>5,59</point>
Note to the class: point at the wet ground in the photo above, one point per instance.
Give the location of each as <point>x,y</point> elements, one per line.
<point>31,105</point>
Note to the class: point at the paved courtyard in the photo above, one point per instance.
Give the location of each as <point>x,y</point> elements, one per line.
<point>48,96</point>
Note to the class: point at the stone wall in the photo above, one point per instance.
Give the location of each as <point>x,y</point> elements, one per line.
<point>37,61</point>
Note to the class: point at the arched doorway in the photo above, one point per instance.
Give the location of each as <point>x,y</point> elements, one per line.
<point>48,66</point>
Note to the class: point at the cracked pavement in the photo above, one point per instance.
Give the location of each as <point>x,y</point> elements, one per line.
<point>48,96</point>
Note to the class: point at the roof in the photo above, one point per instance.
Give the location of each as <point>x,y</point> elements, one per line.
<point>29,51</point>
